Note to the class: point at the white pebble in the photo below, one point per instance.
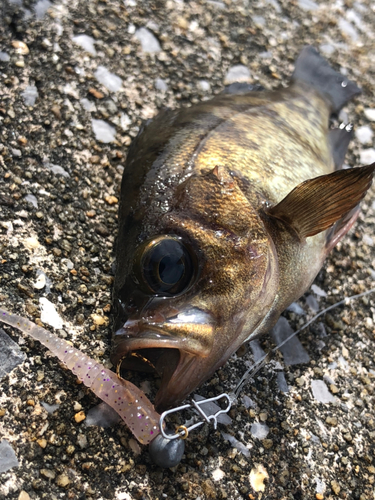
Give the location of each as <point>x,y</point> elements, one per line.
<point>49,315</point>
<point>348,29</point>
<point>367,156</point>
<point>312,303</point>
<point>4,57</point>
<point>56,169</point>
<point>370,114</point>
<point>238,73</point>
<point>318,291</point>
<point>148,41</point>
<point>308,5</point>
<point>320,484</point>
<point>204,86</point>
<point>50,408</point>
<point>104,132</point>
<point>8,458</point>
<point>41,8</point>
<point>110,81</point>
<point>102,415</point>
<point>320,392</point>
<point>259,21</point>
<point>236,444</point>
<point>87,105</point>
<point>30,95</point>
<point>259,431</point>
<point>327,49</point>
<point>248,402</point>
<point>367,240</point>
<point>161,84</point>
<point>40,282</point>
<point>217,475</point>
<point>32,199</point>
<point>364,134</point>
<point>125,121</point>
<point>296,308</point>
<point>86,42</point>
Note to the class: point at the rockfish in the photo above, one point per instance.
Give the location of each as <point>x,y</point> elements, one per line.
<point>228,210</point>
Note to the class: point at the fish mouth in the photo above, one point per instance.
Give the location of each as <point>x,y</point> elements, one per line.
<point>177,348</point>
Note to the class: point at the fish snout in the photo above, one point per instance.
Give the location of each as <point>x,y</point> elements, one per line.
<point>170,346</point>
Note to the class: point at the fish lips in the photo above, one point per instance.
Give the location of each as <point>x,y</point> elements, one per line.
<point>179,349</point>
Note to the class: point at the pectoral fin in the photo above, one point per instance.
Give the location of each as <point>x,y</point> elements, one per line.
<point>315,205</point>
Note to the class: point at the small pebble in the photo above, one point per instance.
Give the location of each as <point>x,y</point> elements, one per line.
<point>332,421</point>
<point>110,81</point>
<point>96,93</point>
<point>161,85</point>
<point>148,41</point>
<point>62,480</point>
<point>85,42</point>
<point>335,487</point>
<point>237,73</point>
<point>104,132</point>
<point>21,47</point>
<point>98,320</point>
<point>48,473</point>
<point>367,156</point>
<point>320,392</point>
<point>370,114</point>
<point>42,442</point>
<point>111,200</point>
<point>30,95</point>
<point>4,57</point>
<point>364,134</point>
<point>257,477</point>
<point>23,495</point>
<point>80,416</point>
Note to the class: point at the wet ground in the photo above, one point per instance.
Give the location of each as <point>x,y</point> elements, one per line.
<point>59,189</point>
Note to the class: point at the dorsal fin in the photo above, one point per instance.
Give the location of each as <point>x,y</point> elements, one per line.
<point>316,204</point>
<point>314,70</point>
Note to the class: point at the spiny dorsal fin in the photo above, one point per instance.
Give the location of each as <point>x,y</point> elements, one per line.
<point>315,205</point>
<point>313,69</point>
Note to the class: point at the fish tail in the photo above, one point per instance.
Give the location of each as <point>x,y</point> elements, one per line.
<point>314,70</point>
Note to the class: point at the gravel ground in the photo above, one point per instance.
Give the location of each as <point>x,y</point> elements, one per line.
<point>59,189</point>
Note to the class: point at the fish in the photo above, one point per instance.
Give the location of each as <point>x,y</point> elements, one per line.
<point>228,210</point>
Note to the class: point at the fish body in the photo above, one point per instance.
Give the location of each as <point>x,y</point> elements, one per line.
<point>228,210</point>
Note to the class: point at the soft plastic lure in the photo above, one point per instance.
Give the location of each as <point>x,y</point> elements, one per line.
<point>129,402</point>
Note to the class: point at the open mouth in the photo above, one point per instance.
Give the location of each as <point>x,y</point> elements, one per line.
<point>170,348</point>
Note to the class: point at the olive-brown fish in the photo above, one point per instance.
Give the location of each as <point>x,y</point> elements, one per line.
<point>228,210</point>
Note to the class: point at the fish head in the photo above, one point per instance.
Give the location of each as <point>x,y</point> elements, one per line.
<point>198,286</point>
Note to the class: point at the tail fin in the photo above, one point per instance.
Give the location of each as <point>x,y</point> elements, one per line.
<point>313,69</point>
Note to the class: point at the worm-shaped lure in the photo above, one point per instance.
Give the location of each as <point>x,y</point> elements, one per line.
<point>129,402</point>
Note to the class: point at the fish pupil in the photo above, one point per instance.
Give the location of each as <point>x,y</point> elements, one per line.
<point>171,269</point>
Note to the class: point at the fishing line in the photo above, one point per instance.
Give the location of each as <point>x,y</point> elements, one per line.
<point>258,365</point>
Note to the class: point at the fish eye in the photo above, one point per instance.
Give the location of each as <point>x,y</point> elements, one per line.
<point>166,265</point>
